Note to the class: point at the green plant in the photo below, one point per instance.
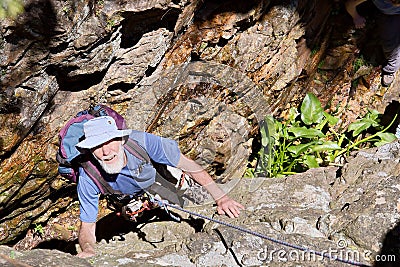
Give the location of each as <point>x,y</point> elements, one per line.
<point>71,228</point>
<point>315,50</point>
<point>38,230</point>
<point>358,63</point>
<point>307,139</point>
<point>10,8</point>
<point>110,23</point>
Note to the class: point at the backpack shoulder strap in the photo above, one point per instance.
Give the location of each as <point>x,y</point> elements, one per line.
<point>134,148</point>
<point>94,173</point>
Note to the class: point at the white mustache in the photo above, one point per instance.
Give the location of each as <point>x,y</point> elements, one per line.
<point>105,158</point>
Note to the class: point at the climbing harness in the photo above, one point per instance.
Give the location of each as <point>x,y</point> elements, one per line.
<point>322,254</point>
<point>136,206</point>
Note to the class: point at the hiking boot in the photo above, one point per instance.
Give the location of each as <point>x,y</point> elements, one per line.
<point>387,79</point>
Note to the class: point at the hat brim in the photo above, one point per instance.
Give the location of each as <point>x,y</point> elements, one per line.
<point>97,140</point>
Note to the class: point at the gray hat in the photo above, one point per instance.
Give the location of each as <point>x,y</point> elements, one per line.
<point>100,130</point>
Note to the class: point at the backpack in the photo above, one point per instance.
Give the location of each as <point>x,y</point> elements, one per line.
<point>170,182</point>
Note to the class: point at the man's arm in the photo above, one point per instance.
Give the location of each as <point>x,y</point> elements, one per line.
<point>351,7</point>
<point>225,204</point>
<point>87,239</point>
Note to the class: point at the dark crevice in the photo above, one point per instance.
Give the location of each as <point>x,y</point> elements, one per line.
<point>135,25</point>
<point>59,48</point>
<point>125,87</point>
<point>219,168</point>
<point>391,110</point>
<point>194,56</point>
<point>228,248</point>
<point>75,83</point>
<point>150,70</point>
<point>61,245</point>
<point>9,104</point>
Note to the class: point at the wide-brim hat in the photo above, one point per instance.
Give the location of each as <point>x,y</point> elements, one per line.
<point>100,130</point>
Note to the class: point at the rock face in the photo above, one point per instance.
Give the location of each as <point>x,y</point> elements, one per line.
<point>350,213</point>
<point>204,73</point>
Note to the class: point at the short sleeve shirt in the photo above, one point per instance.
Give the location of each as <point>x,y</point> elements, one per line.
<point>133,178</point>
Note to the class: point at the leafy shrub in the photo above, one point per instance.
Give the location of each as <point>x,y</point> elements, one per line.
<point>308,139</point>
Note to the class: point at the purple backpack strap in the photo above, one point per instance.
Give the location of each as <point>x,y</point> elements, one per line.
<point>93,172</point>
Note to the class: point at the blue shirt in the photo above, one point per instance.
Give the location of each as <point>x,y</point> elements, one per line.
<point>133,178</point>
<point>386,7</point>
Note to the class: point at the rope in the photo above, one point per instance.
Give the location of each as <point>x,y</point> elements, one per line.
<point>324,255</point>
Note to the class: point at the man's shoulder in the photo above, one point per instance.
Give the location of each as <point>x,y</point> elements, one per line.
<point>137,135</point>
<point>142,137</point>
<point>386,7</point>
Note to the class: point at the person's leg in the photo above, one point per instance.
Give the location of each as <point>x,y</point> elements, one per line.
<point>389,28</point>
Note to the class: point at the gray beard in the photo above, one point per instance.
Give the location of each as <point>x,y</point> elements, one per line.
<point>116,167</point>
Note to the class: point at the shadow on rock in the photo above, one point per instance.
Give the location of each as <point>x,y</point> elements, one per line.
<point>389,256</point>
<point>61,245</point>
<point>112,226</point>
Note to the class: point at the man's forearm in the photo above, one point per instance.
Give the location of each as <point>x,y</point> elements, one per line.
<point>205,180</point>
<point>201,176</point>
<point>351,7</point>
<point>225,205</point>
<point>87,237</point>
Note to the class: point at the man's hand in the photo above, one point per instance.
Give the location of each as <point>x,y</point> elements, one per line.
<point>229,207</point>
<point>87,252</point>
<point>359,21</point>
<point>87,240</point>
<point>351,7</point>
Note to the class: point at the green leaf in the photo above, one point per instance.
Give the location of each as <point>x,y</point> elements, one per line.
<point>293,114</point>
<point>370,119</point>
<point>385,138</point>
<point>311,110</point>
<point>326,146</point>
<point>264,137</point>
<point>358,126</point>
<point>305,132</point>
<point>373,115</point>
<point>298,149</point>
<point>311,161</point>
<point>267,131</point>
<point>331,119</point>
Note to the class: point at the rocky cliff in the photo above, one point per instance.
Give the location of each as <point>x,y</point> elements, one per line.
<point>351,213</point>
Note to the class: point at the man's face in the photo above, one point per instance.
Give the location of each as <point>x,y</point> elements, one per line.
<point>111,156</point>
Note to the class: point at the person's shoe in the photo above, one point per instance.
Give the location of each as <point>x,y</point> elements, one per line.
<point>387,79</point>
